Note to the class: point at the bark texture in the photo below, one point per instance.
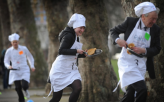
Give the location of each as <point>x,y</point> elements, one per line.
<point>98,77</point>
<point>22,22</point>
<point>156,86</point>
<point>1,43</point>
<point>57,17</point>
<point>5,23</point>
<point>115,16</point>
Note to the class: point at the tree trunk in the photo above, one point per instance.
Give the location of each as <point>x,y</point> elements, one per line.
<point>115,16</point>
<point>57,17</point>
<point>156,86</point>
<point>1,43</point>
<point>22,22</point>
<point>5,23</point>
<point>98,76</point>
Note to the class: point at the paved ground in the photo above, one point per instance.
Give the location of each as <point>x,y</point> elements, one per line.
<point>10,95</point>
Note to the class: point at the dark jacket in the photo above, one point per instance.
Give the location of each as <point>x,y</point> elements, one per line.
<point>127,27</point>
<point>2,60</point>
<point>67,39</point>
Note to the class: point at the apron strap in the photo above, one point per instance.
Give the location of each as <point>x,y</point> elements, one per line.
<point>49,93</point>
<point>116,86</point>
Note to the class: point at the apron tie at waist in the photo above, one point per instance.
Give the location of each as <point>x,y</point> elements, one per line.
<point>123,89</point>
<point>116,86</point>
<point>49,93</point>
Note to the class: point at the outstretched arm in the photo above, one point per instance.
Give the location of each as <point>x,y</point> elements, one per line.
<point>30,59</point>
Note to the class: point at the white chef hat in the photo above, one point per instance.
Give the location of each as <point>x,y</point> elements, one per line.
<point>13,37</point>
<point>77,20</point>
<point>144,8</point>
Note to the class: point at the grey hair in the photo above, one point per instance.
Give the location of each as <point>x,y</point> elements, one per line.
<point>157,11</point>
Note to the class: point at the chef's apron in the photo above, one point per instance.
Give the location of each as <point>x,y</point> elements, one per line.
<point>131,67</point>
<point>64,69</point>
<point>22,72</point>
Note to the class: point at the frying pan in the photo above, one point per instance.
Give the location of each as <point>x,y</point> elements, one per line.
<point>97,52</point>
<point>132,52</point>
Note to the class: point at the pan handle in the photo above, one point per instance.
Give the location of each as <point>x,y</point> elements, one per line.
<point>85,53</point>
<point>14,68</point>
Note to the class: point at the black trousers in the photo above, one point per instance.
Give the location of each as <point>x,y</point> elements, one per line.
<point>18,88</point>
<point>141,95</point>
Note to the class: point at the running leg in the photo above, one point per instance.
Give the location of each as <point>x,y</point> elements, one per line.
<point>76,87</point>
<point>18,88</point>
<point>56,96</point>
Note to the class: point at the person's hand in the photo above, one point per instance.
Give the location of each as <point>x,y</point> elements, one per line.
<point>80,51</point>
<point>10,67</point>
<point>86,52</point>
<point>139,50</point>
<point>33,69</point>
<point>122,43</point>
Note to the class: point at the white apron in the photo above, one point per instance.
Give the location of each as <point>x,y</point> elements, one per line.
<point>23,71</point>
<point>131,67</point>
<point>19,75</point>
<point>64,69</point>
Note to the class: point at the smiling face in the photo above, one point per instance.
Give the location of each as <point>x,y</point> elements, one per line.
<point>79,30</point>
<point>150,19</point>
<point>15,43</point>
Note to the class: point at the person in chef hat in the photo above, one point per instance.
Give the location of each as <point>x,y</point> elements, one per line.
<point>144,34</point>
<point>64,71</point>
<point>19,70</point>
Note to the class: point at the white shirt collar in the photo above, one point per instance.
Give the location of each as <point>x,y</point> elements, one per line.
<point>142,24</point>
<point>13,47</point>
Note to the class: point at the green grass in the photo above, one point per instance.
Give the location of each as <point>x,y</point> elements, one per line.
<point>115,67</point>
